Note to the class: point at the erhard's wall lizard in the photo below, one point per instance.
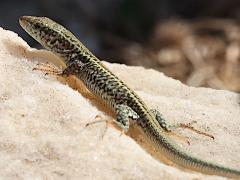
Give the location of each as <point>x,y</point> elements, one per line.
<point>112,91</point>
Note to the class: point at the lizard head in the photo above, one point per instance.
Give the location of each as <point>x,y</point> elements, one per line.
<point>54,37</point>
<point>40,28</point>
<point>48,33</point>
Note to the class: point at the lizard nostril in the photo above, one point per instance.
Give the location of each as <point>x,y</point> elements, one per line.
<point>23,18</point>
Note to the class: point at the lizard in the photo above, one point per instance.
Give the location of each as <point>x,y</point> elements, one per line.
<point>124,102</point>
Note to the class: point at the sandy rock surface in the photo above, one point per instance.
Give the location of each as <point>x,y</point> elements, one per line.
<point>43,133</point>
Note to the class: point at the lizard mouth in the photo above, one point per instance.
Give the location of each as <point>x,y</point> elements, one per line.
<point>24,21</point>
<point>23,18</point>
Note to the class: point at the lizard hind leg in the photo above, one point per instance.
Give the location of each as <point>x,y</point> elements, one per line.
<point>171,127</point>
<point>123,113</point>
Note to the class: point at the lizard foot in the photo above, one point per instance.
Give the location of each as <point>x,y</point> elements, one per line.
<point>107,121</point>
<point>48,69</point>
<point>190,127</point>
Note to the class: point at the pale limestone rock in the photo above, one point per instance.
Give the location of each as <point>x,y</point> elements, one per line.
<point>43,133</point>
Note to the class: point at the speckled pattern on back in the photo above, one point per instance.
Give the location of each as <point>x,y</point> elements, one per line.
<point>112,91</point>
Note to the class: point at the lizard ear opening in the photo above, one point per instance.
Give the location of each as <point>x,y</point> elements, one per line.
<point>84,59</point>
<point>74,68</point>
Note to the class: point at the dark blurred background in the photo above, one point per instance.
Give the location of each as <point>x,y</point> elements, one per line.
<point>195,41</point>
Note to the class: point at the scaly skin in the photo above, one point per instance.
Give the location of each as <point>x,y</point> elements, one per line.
<point>112,91</point>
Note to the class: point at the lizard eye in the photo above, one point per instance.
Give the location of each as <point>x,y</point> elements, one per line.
<point>37,26</point>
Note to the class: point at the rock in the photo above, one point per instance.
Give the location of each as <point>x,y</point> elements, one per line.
<point>43,133</point>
